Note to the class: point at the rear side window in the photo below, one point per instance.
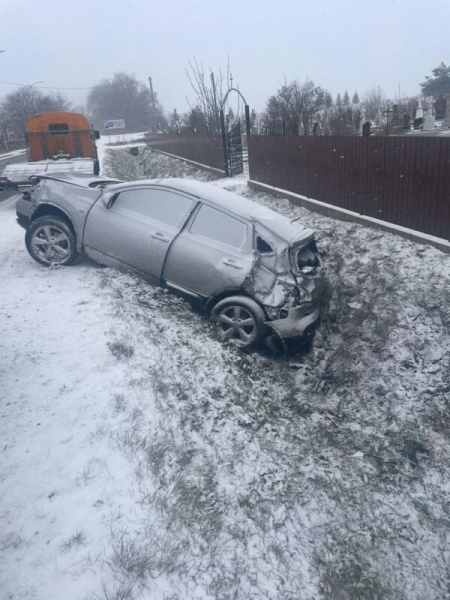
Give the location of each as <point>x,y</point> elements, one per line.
<point>218,226</point>
<point>158,205</point>
<point>263,246</point>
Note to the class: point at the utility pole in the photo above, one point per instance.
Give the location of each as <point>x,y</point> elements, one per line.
<point>216,110</point>
<point>153,109</point>
<point>23,108</point>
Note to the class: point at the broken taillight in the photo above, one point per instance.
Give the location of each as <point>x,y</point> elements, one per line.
<point>307,257</point>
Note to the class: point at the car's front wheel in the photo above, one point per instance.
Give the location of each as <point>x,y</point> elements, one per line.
<point>50,240</point>
<point>240,321</point>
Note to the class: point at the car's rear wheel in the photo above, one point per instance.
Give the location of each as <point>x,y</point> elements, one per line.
<point>239,321</point>
<point>50,241</point>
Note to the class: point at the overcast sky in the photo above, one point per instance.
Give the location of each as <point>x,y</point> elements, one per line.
<point>339,44</point>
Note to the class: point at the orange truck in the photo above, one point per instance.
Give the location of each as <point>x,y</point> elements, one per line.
<point>57,142</point>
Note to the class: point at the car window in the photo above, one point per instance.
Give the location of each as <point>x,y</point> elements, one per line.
<point>216,225</point>
<point>158,205</point>
<point>263,246</point>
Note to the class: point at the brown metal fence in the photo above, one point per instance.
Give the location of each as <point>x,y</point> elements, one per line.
<point>206,150</point>
<point>402,180</point>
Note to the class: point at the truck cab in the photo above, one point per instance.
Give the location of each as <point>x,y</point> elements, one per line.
<point>57,142</point>
<point>57,134</point>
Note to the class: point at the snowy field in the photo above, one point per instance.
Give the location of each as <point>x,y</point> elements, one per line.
<point>142,459</point>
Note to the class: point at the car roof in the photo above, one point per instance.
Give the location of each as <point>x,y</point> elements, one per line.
<point>80,179</point>
<point>274,221</point>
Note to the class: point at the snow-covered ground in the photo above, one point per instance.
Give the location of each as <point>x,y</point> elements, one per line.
<point>115,139</point>
<point>143,459</point>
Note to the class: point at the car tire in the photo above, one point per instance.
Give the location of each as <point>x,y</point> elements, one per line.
<point>51,241</point>
<point>239,321</point>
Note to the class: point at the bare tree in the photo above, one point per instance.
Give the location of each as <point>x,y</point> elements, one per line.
<point>373,102</point>
<point>17,106</point>
<point>209,94</point>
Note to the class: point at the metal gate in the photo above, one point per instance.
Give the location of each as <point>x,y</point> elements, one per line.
<point>234,150</point>
<point>232,140</point>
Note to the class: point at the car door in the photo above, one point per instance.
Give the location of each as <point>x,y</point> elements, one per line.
<point>213,253</point>
<point>136,228</point>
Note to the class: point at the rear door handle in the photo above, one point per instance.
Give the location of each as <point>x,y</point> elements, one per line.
<point>231,263</point>
<point>160,236</point>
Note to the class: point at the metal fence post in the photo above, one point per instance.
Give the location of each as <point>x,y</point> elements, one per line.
<point>224,143</point>
<point>247,119</point>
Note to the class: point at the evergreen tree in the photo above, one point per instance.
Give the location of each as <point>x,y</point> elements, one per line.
<point>355,99</point>
<point>339,101</point>
<point>296,104</point>
<point>175,121</point>
<point>230,114</point>
<point>253,120</point>
<point>195,120</point>
<point>328,100</point>
<point>346,99</point>
<point>439,84</point>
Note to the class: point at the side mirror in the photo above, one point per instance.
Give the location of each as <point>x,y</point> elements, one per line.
<point>109,199</point>
<point>97,135</point>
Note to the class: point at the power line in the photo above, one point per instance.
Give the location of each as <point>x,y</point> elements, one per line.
<point>46,87</point>
<point>49,87</point>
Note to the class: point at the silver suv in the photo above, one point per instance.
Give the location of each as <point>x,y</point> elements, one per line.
<point>257,274</point>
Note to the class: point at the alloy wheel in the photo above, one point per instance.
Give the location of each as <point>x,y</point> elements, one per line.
<point>237,325</point>
<point>51,244</point>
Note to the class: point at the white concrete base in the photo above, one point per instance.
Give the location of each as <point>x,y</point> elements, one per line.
<point>347,215</point>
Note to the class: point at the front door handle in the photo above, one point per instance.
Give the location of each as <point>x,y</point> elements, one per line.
<point>160,236</point>
<point>231,263</point>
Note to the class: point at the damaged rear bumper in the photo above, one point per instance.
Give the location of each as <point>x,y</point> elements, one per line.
<point>298,326</point>
<point>299,320</point>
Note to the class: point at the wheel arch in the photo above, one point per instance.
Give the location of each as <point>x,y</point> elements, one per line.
<point>228,293</point>
<point>46,209</point>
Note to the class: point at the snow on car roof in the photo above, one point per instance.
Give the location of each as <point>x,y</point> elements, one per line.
<point>79,179</point>
<point>273,221</point>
